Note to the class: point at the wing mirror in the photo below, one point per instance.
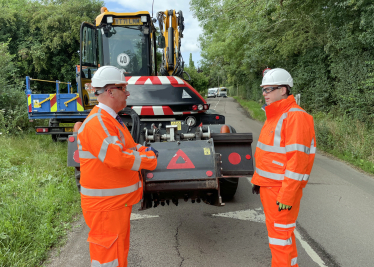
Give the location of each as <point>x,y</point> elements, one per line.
<point>161,41</point>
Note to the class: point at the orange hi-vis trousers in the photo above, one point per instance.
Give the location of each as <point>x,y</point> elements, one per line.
<point>280,226</point>
<point>109,236</point>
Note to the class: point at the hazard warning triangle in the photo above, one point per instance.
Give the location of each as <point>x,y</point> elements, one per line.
<point>186,165</point>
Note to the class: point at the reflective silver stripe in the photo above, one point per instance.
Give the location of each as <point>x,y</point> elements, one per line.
<point>270,175</point>
<point>279,225</point>
<point>120,145</point>
<point>103,125</point>
<point>104,147</point>
<point>278,163</point>
<point>293,261</point>
<point>294,175</point>
<point>127,153</point>
<point>298,147</point>
<point>281,150</point>
<point>110,192</point>
<point>278,129</point>
<point>306,177</point>
<point>280,242</point>
<point>87,120</point>
<point>79,144</point>
<point>95,263</point>
<point>148,157</point>
<point>137,161</point>
<point>138,147</point>
<point>296,109</point>
<point>121,136</point>
<point>312,147</point>
<point>86,155</point>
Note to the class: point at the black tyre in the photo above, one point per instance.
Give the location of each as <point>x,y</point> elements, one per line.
<point>228,187</point>
<point>78,178</point>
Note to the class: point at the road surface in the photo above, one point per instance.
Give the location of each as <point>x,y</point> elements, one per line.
<point>334,228</point>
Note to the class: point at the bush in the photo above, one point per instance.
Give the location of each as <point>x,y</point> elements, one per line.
<point>348,139</point>
<point>13,101</point>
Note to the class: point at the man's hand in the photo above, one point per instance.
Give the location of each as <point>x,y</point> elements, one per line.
<point>255,189</point>
<point>152,149</point>
<point>283,206</point>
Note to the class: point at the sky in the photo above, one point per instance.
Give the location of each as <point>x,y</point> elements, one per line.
<point>191,32</point>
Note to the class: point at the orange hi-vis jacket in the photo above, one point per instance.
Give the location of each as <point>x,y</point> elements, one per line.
<point>110,162</point>
<point>286,149</point>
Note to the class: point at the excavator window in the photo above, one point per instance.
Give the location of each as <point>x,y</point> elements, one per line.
<point>126,48</point>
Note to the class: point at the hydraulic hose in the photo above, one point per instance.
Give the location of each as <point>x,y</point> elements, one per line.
<point>135,130</point>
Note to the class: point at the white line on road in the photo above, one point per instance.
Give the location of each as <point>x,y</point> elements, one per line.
<point>136,216</point>
<point>217,104</point>
<point>312,254</point>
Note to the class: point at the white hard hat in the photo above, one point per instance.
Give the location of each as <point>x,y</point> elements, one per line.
<point>277,76</point>
<point>108,75</point>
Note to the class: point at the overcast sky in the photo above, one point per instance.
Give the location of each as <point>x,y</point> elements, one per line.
<point>190,33</point>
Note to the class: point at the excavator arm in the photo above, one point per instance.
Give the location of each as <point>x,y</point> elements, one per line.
<point>171,25</point>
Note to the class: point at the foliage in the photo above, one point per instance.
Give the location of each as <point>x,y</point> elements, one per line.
<point>45,36</point>
<point>349,140</point>
<point>38,198</point>
<point>328,47</point>
<point>253,108</point>
<point>13,105</point>
<point>199,80</point>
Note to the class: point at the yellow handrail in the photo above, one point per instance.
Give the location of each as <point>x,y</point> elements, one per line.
<point>67,102</point>
<point>39,105</point>
<point>47,81</point>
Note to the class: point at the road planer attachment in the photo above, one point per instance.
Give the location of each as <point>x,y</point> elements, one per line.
<point>202,169</point>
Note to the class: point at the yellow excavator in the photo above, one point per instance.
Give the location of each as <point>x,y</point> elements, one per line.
<point>201,157</point>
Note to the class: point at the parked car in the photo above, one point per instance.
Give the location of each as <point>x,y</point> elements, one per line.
<point>212,92</point>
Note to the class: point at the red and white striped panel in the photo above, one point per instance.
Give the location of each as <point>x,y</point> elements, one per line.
<point>156,80</point>
<point>160,110</point>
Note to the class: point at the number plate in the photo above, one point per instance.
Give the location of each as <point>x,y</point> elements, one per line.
<point>68,129</point>
<point>127,22</point>
<point>66,124</point>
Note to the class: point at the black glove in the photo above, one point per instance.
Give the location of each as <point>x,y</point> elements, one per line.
<point>152,149</point>
<point>255,189</point>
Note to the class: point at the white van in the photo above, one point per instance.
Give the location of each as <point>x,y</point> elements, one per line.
<point>222,91</point>
<point>212,92</point>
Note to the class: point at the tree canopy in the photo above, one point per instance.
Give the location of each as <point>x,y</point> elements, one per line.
<point>326,45</point>
<point>44,35</point>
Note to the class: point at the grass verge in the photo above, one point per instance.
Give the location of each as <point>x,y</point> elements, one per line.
<point>351,141</point>
<point>38,198</point>
<point>253,108</point>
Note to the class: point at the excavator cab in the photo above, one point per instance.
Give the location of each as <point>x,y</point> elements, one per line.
<point>124,40</point>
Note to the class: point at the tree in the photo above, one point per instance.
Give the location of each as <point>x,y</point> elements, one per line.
<point>327,46</point>
<point>45,35</point>
<point>191,63</point>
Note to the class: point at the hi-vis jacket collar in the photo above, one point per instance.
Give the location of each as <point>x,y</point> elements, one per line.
<point>280,106</point>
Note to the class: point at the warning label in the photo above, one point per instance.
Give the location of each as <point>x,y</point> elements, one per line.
<point>179,123</point>
<point>180,161</point>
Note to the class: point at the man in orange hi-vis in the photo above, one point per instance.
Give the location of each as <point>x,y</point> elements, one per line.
<point>110,162</point>
<point>284,159</point>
